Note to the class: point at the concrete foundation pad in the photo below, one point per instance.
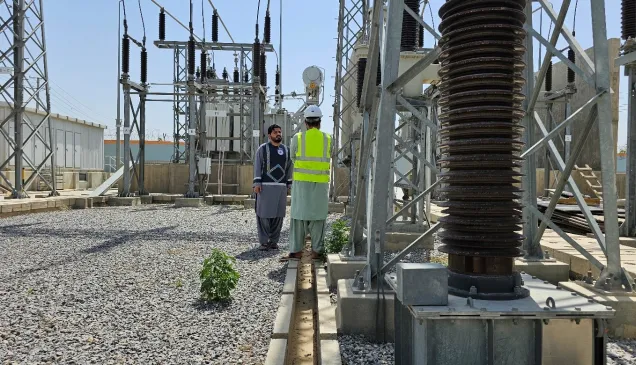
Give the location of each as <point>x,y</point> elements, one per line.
<point>330,352</point>
<point>338,269</point>
<point>117,201</point>
<point>146,199</point>
<point>397,241</point>
<point>623,325</point>
<point>277,352</point>
<point>355,313</point>
<point>188,202</point>
<point>552,271</point>
<point>83,203</point>
<point>249,203</point>
<point>336,207</point>
<point>165,198</point>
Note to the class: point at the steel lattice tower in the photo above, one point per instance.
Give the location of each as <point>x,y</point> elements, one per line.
<point>27,127</point>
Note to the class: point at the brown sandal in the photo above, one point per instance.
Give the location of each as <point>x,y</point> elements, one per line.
<point>296,255</point>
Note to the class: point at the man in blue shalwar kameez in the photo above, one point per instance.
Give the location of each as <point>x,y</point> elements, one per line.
<point>272,180</point>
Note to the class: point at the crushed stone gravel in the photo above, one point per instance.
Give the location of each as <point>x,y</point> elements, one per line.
<point>113,285</point>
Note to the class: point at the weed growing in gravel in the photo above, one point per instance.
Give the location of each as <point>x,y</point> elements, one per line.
<point>338,237</point>
<point>218,276</point>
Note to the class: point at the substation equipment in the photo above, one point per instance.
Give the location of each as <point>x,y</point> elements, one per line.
<point>24,60</point>
<point>217,115</point>
<point>474,131</point>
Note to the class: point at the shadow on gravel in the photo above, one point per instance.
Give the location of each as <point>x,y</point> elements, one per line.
<point>127,238</point>
<point>218,307</point>
<point>278,275</point>
<point>256,254</point>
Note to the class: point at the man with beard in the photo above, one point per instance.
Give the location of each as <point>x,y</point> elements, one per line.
<point>272,180</point>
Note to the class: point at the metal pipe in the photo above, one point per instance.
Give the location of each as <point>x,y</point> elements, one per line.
<point>629,226</point>
<point>18,90</point>
<point>48,109</point>
<point>546,161</point>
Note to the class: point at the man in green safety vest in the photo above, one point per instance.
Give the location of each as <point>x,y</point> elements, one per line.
<point>310,152</point>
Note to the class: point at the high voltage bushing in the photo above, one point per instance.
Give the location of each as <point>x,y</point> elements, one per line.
<point>362,66</point>
<point>215,26</point>
<point>162,25</point>
<point>225,74</point>
<point>125,55</point>
<point>481,98</point>
<point>378,75</point>
<point>267,36</point>
<point>204,66</point>
<point>191,56</point>
<point>144,66</point>
<point>420,36</point>
<point>571,73</point>
<point>408,40</point>
<point>236,75</point>
<point>263,70</point>
<point>256,60</point>
<point>548,78</point>
<point>628,19</point>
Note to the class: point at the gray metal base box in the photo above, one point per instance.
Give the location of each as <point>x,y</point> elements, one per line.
<point>422,284</point>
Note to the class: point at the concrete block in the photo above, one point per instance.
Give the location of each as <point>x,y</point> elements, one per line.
<point>249,203</point>
<point>430,280</point>
<point>6,208</point>
<point>289,200</point>
<point>39,205</point>
<point>338,269</point>
<point>61,202</point>
<point>117,201</point>
<point>623,325</point>
<point>342,199</point>
<point>188,202</point>
<point>83,203</point>
<point>50,203</point>
<point>289,287</point>
<point>277,352</point>
<point>282,324</point>
<point>355,313</point>
<point>551,271</point>
<point>99,199</point>
<point>146,199</point>
<point>330,352</point>
<point>336,207</point>
<point>239,198</point>
<point>327,327</point>
<point>321,281</point>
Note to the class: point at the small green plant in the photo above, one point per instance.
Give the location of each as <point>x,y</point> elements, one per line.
<point>178,283</point>
<point>338,237</point>
<point>218,276</point>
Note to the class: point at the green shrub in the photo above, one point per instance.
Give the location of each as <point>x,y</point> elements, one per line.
<point>218,276</point>
<point>338,237</point>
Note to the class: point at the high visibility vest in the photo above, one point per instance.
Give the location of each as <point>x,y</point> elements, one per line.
<point>312,156</point>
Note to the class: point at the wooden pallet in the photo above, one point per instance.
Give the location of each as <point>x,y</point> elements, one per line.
<point>591,179</point>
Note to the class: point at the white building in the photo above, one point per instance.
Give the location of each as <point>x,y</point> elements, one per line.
<point>78,144</point>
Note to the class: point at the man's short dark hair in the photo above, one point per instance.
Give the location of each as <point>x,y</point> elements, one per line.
<point>312,121</point>
<point>271,128</point>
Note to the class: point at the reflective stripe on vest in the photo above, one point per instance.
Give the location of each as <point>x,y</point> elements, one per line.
<point>312,157</point>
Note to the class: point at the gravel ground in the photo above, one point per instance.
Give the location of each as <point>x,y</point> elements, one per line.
<point>115,285</point>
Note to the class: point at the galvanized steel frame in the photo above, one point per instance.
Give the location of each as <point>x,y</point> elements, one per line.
<point>25,37</point>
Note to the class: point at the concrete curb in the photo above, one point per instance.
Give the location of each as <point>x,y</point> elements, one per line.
<point>277,351</point>
<point>327,326</point>
<point>11,207</point>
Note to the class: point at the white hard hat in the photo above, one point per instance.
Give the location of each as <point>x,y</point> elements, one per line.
<point>313,111</point>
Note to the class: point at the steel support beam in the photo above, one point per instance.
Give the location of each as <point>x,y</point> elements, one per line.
<point>629,225</point>
<point>607,143</point>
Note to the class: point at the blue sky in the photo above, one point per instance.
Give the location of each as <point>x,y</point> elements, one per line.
<point>82,49</point>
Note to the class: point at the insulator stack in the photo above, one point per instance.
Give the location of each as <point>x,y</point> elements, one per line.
<point>236,75</point>
<point>277,79</point>
<point>198,73</point>
<point>628,17</point>
<point>225,74</point>
<point>263,70</point>
<point>481,98</point>
<point>408,40</point>
<point>144,66</point>
<point>245,77</point>
<point>548,78</point>
<point>204,66</point>
<point>191,56</point>
<point>362,66</point>
<point>162,25</point>
<point>571,73</point>
<point>125,55</point>
<point>215,26</point>
<point>256,60</point>
<point>267,36</point>
<point>420,36</point>
<point>378,77</point>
